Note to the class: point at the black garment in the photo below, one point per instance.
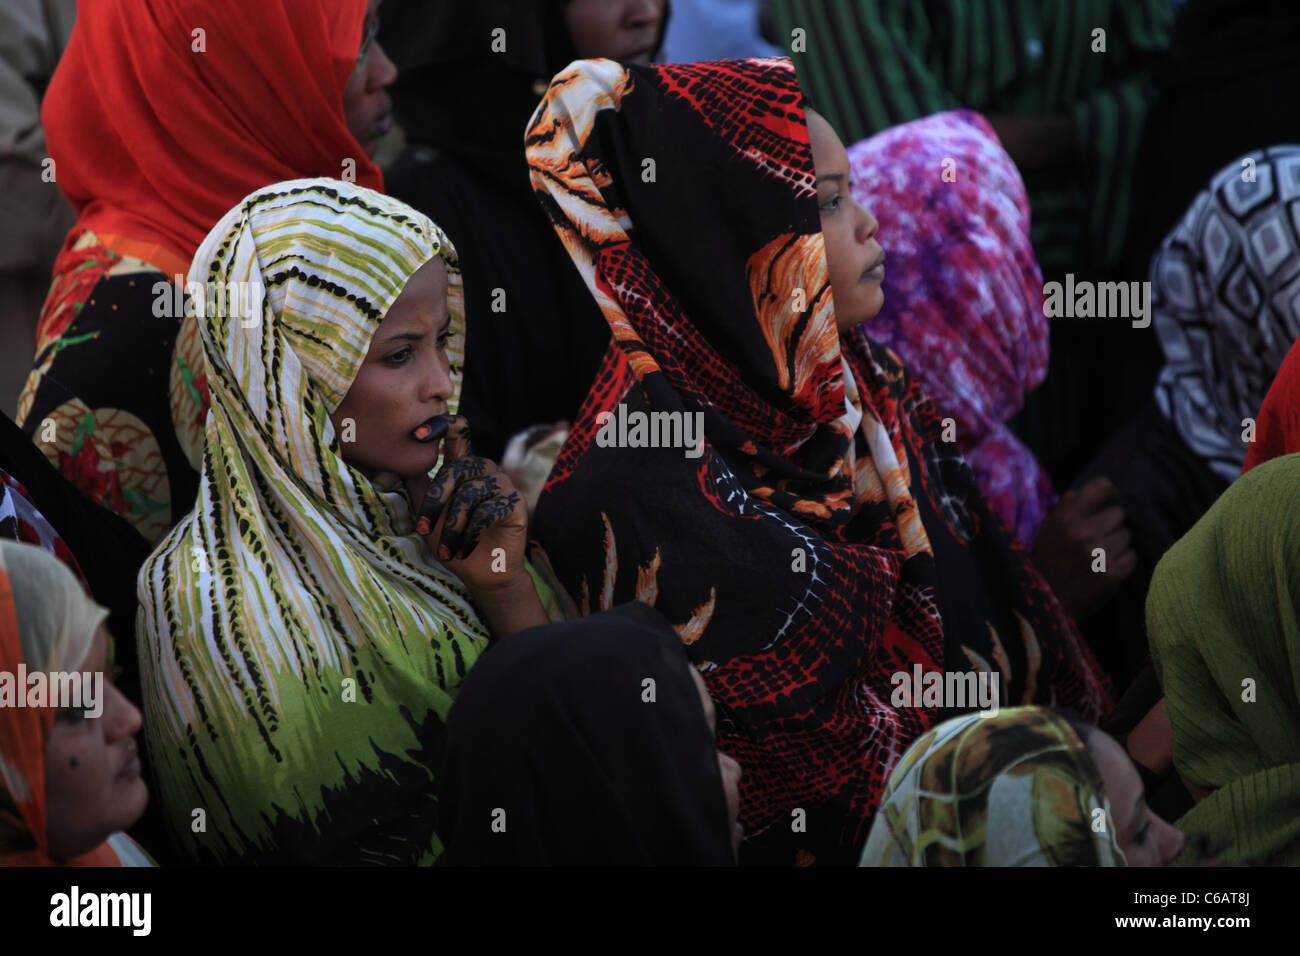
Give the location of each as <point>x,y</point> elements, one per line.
<point>534,334</point>
<point>583,743</point>
<point>1164,488</point>
<point>468,89</point>
<point>1229,67</point>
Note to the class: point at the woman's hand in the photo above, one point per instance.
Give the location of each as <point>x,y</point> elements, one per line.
<point>477,524</point>
<point>1081,522</point>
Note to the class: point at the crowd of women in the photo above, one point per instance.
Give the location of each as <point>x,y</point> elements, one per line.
<point>372,586</point>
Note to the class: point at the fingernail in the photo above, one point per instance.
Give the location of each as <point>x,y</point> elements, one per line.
<point>422,526</point>
<point>423,432</point>
<point>444,553</point>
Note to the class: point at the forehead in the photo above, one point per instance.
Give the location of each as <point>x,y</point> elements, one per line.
<point>828,152</point>
<point>1118,774</point>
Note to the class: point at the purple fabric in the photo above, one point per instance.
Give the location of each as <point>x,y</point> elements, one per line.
<point>963,291</point>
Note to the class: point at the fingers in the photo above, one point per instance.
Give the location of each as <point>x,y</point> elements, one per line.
<point>465,499</point>
<point>1117,543</point>
<point>1125,564</point>
<point>456,444</point>
<point>491,512</point>
<point>1107,521</point>
<point>452,474</point>
<point>1096,494</point>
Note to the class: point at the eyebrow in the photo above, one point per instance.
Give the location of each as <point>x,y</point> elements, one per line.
<point>405,337</point>
<point>833,177</point>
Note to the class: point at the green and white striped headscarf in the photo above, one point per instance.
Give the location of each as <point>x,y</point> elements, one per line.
<point>300,644</point>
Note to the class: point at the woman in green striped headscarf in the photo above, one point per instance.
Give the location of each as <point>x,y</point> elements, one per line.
<point>1225,640</point>
<point>301,643</point>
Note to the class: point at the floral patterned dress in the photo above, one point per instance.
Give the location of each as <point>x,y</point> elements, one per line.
<point>131,441</point>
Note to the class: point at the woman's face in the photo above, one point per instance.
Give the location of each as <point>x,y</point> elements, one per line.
<point>404,381</point>
<point>616,29</point>
<point>854,259</point>
<point>731,771</point>
<point>93,786</point>
<point>367,108</point>
<point>1145,839</point>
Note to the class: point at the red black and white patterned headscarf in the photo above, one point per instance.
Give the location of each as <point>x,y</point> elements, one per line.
<point>822,538</point>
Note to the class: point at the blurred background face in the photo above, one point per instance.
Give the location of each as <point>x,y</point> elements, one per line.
<point>93,786</point>
<point>1145,839</point>
<point>404,381</point>
<point>616,29</point>
<point>366,104</point>
<point>729,768</point>
<point>854,258</point>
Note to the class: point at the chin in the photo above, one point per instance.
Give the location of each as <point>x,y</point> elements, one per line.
<point>133,803</point>
<point>416,464</point>
<point>847,323</point>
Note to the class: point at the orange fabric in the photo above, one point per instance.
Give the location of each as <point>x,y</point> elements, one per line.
<point>156,130</point>
<point>1277,428</point>
<point>160,257</point>
<point>23,731</point>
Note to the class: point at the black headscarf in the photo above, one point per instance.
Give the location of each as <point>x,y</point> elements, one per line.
<point>534,335</point>
<point>456,93</point>
<point>560,752</point>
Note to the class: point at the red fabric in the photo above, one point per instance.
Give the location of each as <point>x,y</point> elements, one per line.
<point>154,141</point>
<point>804,558</point>
<point>1277,428</point>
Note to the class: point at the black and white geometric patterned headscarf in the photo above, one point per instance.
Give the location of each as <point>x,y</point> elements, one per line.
<point>1226,302</point>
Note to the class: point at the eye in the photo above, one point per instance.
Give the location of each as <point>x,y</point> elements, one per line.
<point>1140,838</point>
<point>72,715</point>
<point>401,356</point>
<point>444,336</point>
<point>833,204</point>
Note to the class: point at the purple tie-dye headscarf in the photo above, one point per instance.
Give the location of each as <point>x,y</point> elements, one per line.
<point>963,291</point>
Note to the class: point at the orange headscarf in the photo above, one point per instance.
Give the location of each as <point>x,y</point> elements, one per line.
<point>23,733</point>
<point>163,114</point>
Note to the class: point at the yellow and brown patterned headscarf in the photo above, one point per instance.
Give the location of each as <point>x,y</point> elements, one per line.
<point>1015,789</point>
<point>300,644</point>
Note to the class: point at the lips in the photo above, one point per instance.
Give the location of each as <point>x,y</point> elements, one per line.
<point>877,271</point>
<point>132,766</point>
<point>431,429</point>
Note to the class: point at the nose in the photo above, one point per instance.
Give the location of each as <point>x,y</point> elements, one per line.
<point>1172,843</point>
<point>123,717</point>
<point>734,765</point>
<point>645,13</point>
<point>437,384</point>
<point>867,224</point>
<point>382,70</point>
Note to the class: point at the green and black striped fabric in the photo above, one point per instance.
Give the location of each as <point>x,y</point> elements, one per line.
<point>871,64</point>
<point>300,645</point>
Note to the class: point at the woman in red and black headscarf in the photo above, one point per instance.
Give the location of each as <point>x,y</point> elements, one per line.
<point>821,537</point>
<point>161,115</point>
